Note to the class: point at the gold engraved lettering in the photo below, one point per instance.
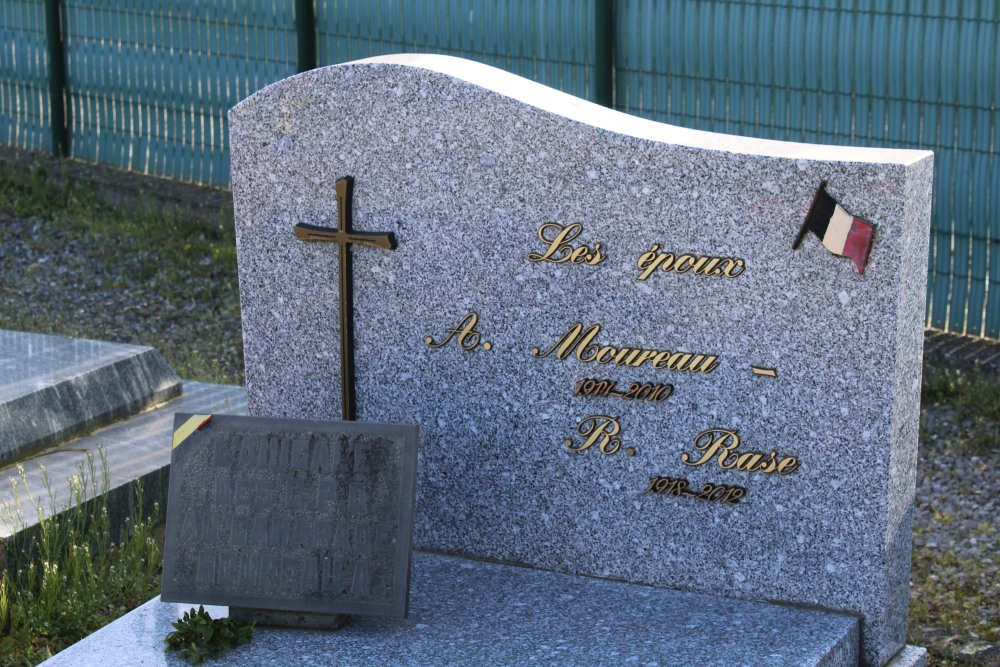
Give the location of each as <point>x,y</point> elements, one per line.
<point>671,486</point>
<point>580,340</point>
<point>626,356</point>
<point>467,336</point>
<point>787,465</point>
<point>652,260</point>
<point>558,238</point>
<point>606,355</point>
<point>721,444</point>
<point>680,266</point>
<point>637,391</point>
<point>598,429</point>
<point>734,267</point>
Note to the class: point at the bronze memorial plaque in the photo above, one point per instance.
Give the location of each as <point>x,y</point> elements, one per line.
<point>290,515</point>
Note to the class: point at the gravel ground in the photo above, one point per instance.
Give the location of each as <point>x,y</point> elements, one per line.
<point>956,544</point>
<point>957,493</point>
<point>168,280</point>
<point>56,281</point>
<point>98,285</point>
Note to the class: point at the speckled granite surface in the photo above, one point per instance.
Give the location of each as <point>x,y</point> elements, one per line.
<point>909,656</point>
<point>53,387</point>
<point>475,613</point>
<point>466,165</point>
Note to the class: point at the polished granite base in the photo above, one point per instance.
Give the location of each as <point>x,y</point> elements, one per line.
<point>481,614</point>
<point>52,388</point>
<point>465,612</point>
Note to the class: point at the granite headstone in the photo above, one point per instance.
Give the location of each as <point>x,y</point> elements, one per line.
<point>625,359</point>
<point>293,522</point>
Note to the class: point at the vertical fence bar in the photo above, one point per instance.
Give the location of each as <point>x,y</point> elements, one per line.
<point>57,79</point>
<point>604,52</point>
<point>305,34</point>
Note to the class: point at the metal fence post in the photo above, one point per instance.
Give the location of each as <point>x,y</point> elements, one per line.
<point>305,34</point>
<point>57,79</point>
<point>604,52</point>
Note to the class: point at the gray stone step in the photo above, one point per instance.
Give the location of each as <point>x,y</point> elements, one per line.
<point>52,387</point>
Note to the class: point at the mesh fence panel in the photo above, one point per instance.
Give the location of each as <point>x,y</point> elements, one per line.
<point>24,93</point>
<point>552,42</point>
<point>150,81</point>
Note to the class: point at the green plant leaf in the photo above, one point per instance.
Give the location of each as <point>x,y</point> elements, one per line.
<point>197,636</point>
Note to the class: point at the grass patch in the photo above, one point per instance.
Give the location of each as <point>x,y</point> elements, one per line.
<point>74,572</point>
<point>976,401</point>
<point>958,604</point>
<point>955,600</point>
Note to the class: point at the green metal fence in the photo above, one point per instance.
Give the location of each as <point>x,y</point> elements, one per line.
<point>147,83</point>
<point>563,43</point>
<point>24,94</point>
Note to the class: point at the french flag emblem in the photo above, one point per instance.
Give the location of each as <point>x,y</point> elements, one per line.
<point>841,233</point>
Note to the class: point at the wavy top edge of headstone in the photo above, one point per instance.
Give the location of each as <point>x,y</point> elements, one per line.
<point>577,109</point>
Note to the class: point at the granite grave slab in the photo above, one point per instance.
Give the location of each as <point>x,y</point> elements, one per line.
<point>635,351</point>
<point>478,614</point>
<point>291,521</point>
<point>53,387</point>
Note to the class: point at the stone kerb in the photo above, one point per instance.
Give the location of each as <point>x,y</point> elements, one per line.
<point>563,425</point>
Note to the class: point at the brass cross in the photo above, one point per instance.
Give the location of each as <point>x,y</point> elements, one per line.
<point>344,237</point>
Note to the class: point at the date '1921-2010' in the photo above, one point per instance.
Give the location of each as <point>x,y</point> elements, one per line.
<point>636,391</point>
